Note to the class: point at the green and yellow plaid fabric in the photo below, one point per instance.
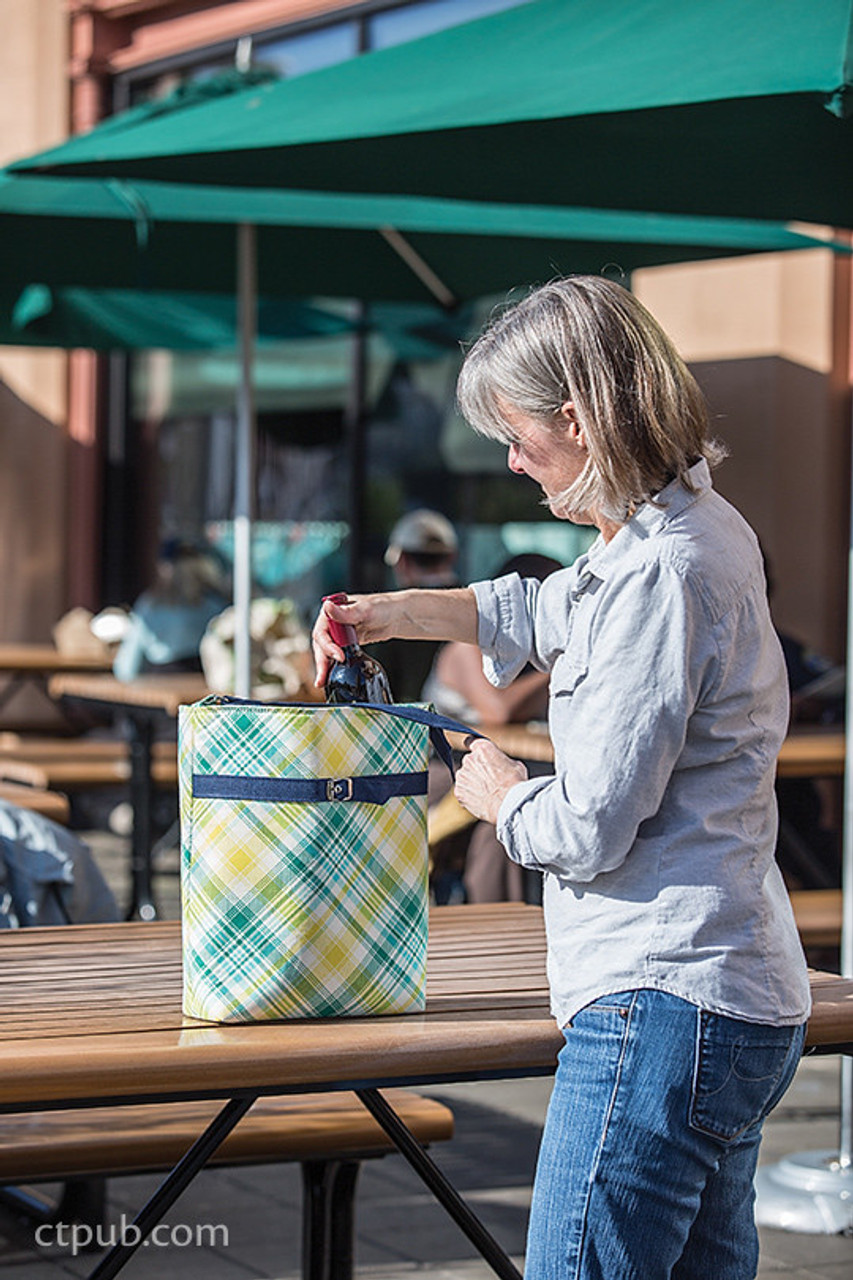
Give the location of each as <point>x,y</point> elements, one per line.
<point>300,909</point>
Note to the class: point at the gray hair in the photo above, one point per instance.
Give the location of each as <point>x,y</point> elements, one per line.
<point>587,340</point>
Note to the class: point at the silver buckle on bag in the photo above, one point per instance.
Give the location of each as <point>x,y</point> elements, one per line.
<point>339,788</point>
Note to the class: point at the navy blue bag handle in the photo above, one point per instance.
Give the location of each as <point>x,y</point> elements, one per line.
<point>438,725</point>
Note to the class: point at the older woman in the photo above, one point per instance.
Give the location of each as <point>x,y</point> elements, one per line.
<point>674,963</point>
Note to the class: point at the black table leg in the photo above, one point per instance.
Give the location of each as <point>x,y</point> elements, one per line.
<point>176,1183</point>
<point>328,1218</point>
<point>10,688</point>
<point>140,733</point>
<point>446,1194</point>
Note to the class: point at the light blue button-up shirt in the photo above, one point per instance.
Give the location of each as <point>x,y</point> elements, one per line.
<point>668,705</point>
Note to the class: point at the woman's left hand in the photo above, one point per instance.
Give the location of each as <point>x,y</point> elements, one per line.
<point>484,778</point>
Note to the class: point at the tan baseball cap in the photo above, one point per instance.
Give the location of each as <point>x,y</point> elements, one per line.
<point>422,532</point>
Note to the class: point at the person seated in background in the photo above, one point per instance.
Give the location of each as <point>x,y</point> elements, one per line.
<point>48,875</point>
<point>422,552</point>
<point>168,620</point>
<point>808,848</point>
<point>457,687</point>
<point>165,630</point>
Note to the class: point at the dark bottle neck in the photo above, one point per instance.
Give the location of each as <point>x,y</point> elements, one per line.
<point>342,632</point>
<point>345,636</point>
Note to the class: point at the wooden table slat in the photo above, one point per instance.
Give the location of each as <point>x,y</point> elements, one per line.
<point>165,692</point>
<point>51,804</point>
<point>45,658</point>
<point>805,753</point>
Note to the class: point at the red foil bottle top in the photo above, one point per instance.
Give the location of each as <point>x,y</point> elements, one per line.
<point>341,632</point>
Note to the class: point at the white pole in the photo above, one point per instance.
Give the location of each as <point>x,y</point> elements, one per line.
<point>812,1191</point>
<point>244,460</point>
<point>845,1148</point>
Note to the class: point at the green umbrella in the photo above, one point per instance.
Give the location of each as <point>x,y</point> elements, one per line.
<point>135,319</point>
<point>174,238</point>
<point>168,237</point>
<point>729,107</point>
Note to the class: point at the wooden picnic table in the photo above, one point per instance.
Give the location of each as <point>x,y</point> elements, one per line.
<point>91,1015</point>
<point>812,753</point>
<point>159,693</point>
<point>46,659</point>
<point>22,663</point>
<point>93,1012</point>
<point>819,916</point>
<point>142,704</point>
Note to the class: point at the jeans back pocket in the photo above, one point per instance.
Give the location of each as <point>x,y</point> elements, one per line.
<point>741,1071</point>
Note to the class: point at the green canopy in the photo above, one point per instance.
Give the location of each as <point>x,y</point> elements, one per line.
<point>130,320</point>
<point>730,107</point>
<point>153,236</point>
<point>173,238</point>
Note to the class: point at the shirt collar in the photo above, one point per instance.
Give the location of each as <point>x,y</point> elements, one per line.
<point>649,518</point>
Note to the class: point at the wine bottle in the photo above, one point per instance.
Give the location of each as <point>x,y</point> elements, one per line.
<point>359,678</point>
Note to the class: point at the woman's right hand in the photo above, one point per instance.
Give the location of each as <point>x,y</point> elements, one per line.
<point>371,616</point>
<point>446,613</point>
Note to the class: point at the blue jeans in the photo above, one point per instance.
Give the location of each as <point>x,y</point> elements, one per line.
<point>651,1141</point>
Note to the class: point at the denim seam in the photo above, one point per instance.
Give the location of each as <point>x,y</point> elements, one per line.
<point>628,1011</point>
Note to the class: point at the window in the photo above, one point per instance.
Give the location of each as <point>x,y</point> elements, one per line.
<point>308,51</point>
<point>410,21</point>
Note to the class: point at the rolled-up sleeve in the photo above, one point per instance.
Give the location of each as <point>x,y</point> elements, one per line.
<point>506,609</point>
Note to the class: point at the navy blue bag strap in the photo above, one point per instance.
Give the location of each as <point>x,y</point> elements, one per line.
<point>373,789</point>
<point>438,725</point>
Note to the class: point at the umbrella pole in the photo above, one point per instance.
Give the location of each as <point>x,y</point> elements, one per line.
<point>845,1151</point>
<point>356,422</point>
<point>244,459</point>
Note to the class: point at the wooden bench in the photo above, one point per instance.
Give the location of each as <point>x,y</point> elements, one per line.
<point>818,916</point>
<point>48,803</point>
<point>79,771</point>
<point>19,746</point>
<point>329,1134</point>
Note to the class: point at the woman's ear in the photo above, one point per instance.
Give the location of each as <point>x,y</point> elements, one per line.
<point>571,424</point>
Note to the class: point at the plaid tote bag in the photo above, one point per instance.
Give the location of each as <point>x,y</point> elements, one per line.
<point>304,857</point>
